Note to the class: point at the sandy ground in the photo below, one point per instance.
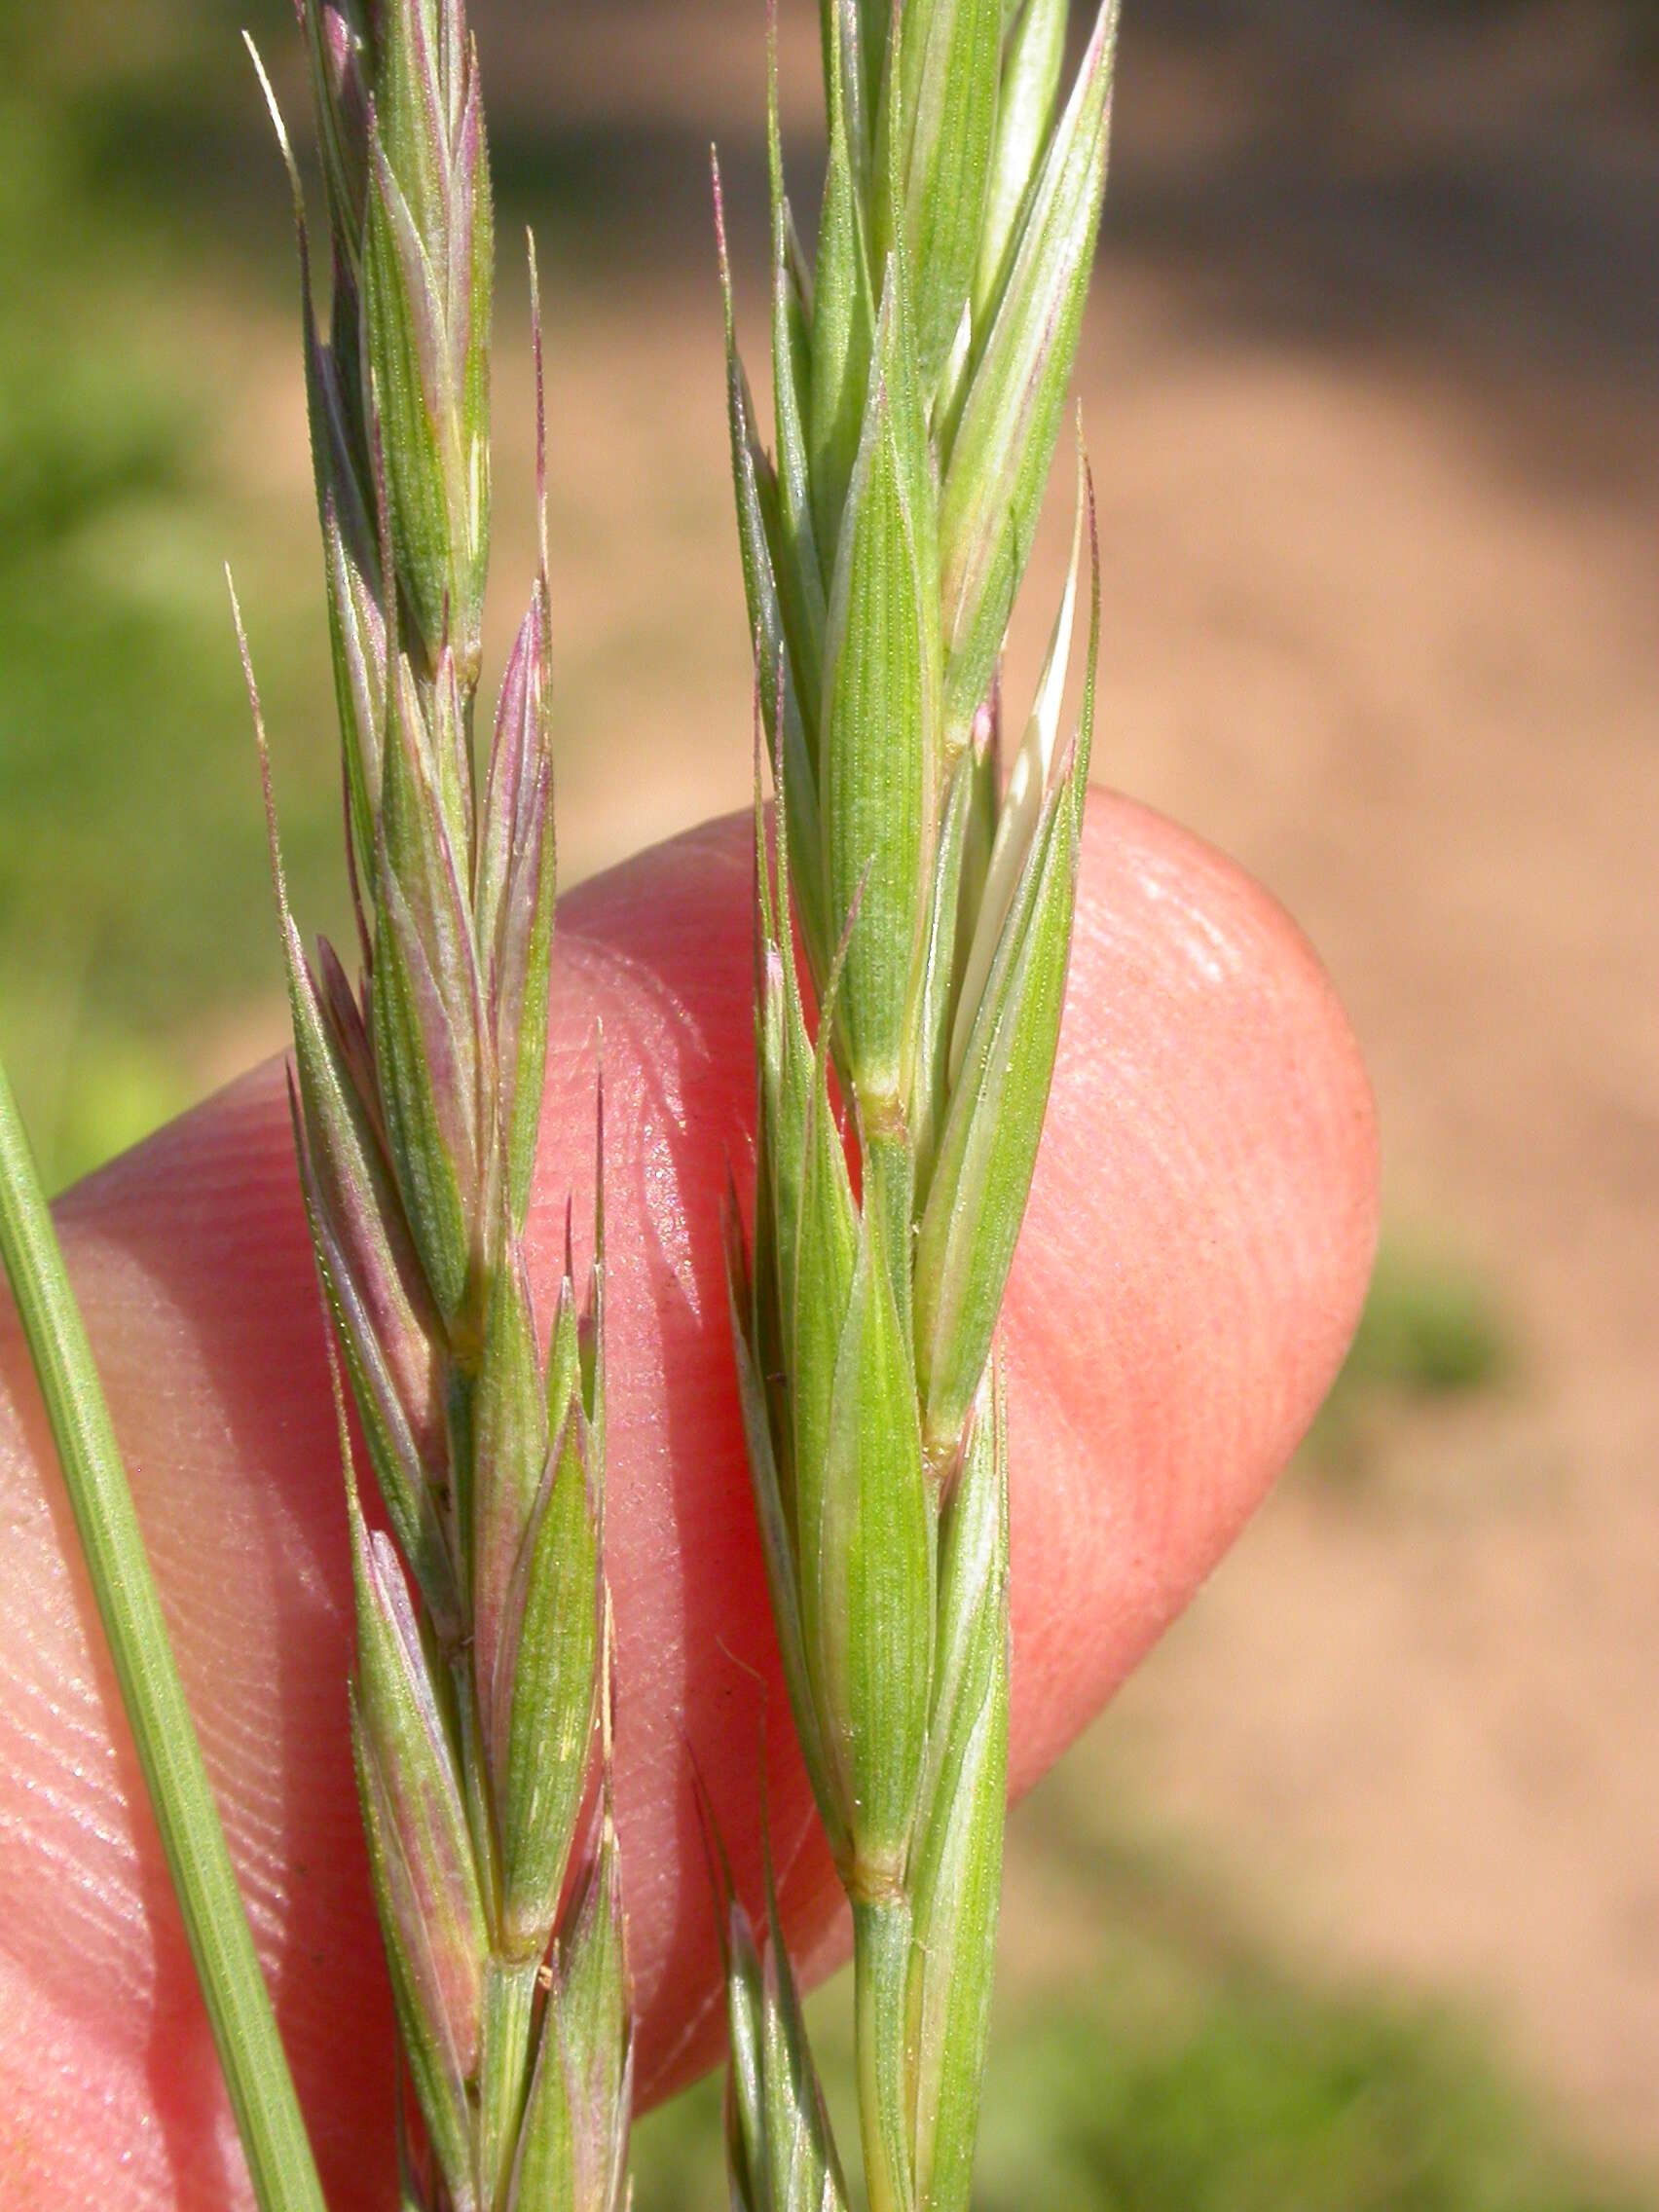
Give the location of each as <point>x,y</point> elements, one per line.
<point>1370,384</point>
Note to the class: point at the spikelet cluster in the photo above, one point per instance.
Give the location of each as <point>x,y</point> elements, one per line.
<point>479,1707</point>
<point>919,371</point>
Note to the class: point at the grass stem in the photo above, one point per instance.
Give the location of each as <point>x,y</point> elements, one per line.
<point>238,2006</point>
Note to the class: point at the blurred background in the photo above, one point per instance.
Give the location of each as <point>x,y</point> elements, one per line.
<point>1352,1900</point>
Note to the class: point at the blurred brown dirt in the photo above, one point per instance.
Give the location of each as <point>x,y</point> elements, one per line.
<point>1369,385</point>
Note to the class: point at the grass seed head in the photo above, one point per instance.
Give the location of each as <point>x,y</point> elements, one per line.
<point>478,1707</point>
<point>919,383</point>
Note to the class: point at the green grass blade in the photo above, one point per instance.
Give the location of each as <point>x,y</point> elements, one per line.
<point>238,2006</point>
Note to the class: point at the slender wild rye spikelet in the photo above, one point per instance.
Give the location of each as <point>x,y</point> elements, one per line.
<point>480,1706</point>
<point>919,377</point>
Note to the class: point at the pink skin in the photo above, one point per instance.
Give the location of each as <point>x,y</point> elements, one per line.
<point>1195,1256</point>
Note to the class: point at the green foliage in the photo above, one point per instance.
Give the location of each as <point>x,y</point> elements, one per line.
<point>1431,1333</point>
<point>1266,2100</point>
<point>1429,1329</point>
<point>129,846</point>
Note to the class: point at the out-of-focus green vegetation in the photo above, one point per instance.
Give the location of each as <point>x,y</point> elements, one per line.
<point>135,915</point>
<point>1431,1329</point>
<point>1264,2100</point>
<point>1428,1330</point>
<point>149,373</point>
<point>1255,2101</point>
<point>1178,2069</point>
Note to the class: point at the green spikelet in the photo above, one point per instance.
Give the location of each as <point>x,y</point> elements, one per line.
<point>919,381</point>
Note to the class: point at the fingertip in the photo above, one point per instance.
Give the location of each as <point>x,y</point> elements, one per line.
<point>1195,1257</point>
<point>1194,1260</point>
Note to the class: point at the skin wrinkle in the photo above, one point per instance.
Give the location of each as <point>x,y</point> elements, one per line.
<point>1210,1149</point>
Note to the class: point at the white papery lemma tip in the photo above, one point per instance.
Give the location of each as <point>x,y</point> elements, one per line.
<point>1023,805</point>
